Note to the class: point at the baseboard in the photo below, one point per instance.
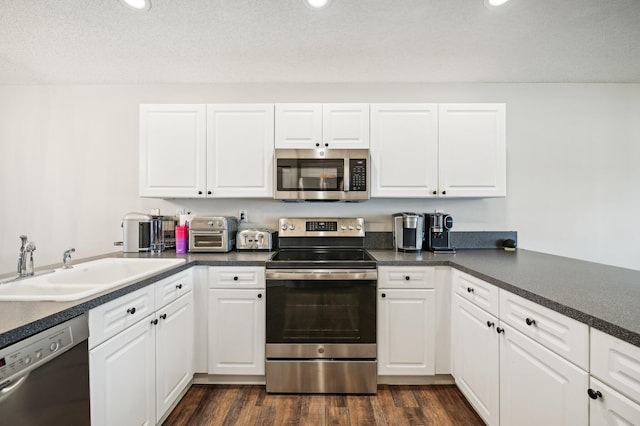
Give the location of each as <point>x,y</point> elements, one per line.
<point>438,379</point>
<point>221,379</point>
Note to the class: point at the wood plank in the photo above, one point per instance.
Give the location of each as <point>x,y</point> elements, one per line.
<point>439,405</point>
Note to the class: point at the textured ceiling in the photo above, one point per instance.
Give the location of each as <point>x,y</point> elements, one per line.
<point>207,41</point>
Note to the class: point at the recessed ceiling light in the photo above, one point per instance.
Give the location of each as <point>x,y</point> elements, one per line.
<point>317,4</point>
<point>493,3</point>
<point>137,4</point>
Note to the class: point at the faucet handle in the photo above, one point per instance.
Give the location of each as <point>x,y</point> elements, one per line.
<point>24,240</point>
<point>31,247</point>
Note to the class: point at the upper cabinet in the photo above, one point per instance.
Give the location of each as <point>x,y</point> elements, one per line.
<point>172,150</point>
<point>404,150</point>
<point>438,150</point>
<point>217,150</point>
<point>240,150</point>
<point>304,126</point>
<point>472,150</point>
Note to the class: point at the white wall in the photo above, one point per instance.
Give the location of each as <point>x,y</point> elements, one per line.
<point>69,156</point>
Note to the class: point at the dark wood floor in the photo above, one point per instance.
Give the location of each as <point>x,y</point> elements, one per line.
<point>393,405</point>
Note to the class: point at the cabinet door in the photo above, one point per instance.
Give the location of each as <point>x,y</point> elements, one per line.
<point>174,351</point>
<point>236,331</point>
<point>240,150</point>
<point>538,387</point>
<point>345,126</point>
<point>476,357</point>
<point>472,150</point>
<point>406,330</point>
<point>122,377</point>
<point>298,126</point>
<point>172,151</point>
<point>404,150</point>
<point>611,408</point>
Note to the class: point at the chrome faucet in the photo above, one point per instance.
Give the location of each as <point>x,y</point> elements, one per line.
<point>25,265</point>
<point>66,258</point>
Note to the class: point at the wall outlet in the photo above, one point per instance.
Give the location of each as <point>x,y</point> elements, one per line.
<point>242,216</point>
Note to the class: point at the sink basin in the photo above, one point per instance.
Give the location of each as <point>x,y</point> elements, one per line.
<point>85,279</point>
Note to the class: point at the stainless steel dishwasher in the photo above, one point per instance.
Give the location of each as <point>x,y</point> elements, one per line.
<point>44,379</point>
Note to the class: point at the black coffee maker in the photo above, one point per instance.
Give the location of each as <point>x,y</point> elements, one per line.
<point>437,236</point>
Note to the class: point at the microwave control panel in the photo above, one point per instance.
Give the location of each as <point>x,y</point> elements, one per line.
<point>358,168</point>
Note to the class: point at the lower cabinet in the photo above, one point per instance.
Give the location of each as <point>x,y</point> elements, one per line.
<point>406,321</point>
<point>406,332</point>
<point>609,407</point>
<point>236,333</point>
<point>507,376</point>
<point>476,357</point>
<point>537,386</point>
<point>122,374</point>
<point>137,375</point>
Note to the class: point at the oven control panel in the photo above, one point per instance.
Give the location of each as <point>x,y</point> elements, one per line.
<point>322,227</point>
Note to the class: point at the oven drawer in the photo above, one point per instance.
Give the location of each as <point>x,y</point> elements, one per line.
<point>236,277</point>
<point>320,376</point>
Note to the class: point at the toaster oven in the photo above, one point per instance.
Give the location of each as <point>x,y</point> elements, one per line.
<point>212,233</point>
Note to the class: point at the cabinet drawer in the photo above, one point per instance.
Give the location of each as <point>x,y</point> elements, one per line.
<point>478,292</point>
<point>236,277</point>
<point>406,277</point>
<point>563,335</point>
<point>616,363</point>
<point>170,288</point>
<point>107,320</point>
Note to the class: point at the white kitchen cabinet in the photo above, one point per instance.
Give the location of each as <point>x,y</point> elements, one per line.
<point>122,377</point>
<point>476,357</point>
<point>237,321</point>
<point>137,375</point>
<point>537,386</point>
<point>215,150</point>
<point>404,150</point>
<point>406,321</point>
<point>305,126</point>
<point>472,150</point>
<point>236,332</point>
<point>174,352</point>
<point>240,150</point>
<point>172,151</point>
<point>438,150</point>
<point>608,407</point>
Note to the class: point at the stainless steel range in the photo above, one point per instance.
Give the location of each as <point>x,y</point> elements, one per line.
<point>321,309</point>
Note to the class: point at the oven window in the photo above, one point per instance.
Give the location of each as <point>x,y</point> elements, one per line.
<point>310,174</point>
<point>305,311</point>
<point>208,241</point>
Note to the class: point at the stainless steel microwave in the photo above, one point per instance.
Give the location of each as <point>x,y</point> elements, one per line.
<point>322,174</point>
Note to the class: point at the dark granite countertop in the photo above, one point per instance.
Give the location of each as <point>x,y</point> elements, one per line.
<point>601,296</point>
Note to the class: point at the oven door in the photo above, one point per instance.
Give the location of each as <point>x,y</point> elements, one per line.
<point>332,310</point>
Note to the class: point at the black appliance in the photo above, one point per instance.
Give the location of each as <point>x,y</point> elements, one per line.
<point>44,379</point>
<point>321,309</point>
<point>437,236</point>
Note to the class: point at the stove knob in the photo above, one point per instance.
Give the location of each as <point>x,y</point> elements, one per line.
<point>284,227</point>
<point>358,227</point>
<point>351,227</point>
<point>27,360</point>
<point>292,227</point>
<point>343,227</point>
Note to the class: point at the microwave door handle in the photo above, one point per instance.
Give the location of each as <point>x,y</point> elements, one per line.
<point>346,175</point>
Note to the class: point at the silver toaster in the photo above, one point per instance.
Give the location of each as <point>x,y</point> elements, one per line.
<point>255,239</point>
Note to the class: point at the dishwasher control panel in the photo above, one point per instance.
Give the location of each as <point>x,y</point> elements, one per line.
<point>28,354</point>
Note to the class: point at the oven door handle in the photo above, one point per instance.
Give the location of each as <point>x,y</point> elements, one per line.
<point>322,274</point>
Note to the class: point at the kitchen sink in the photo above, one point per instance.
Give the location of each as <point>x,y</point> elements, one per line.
<point>84,279</point>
